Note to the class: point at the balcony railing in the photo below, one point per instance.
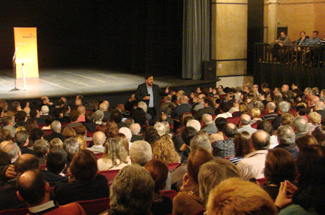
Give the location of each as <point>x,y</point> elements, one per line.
<point>278,65</point>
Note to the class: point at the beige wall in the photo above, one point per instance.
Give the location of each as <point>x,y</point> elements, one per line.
<point>299,15</point>
<point>229,36</point>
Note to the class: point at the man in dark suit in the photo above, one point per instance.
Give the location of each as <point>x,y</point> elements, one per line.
<point>149,93</point>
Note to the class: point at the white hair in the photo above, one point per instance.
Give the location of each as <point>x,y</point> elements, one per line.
<point>140,152</point>
<point>195,124</point>
<point>45,110</point>
<point>127,132</point>
<point>207,119</point>
<point>143,106</point>
<point>160,128</point>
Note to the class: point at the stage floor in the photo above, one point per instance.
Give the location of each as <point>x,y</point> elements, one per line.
<point>71,82</point>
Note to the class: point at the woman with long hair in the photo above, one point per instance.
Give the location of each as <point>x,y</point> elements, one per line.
<point>115,156</point>
<point>163,149</point>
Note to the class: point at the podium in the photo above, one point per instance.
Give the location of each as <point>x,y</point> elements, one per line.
<point>25,59</point>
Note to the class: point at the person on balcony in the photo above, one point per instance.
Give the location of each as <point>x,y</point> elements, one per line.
<point>283,40</point>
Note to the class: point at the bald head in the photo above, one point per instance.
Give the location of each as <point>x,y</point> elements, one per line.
<point>99,138</point>
<point>230,130</point>
<point>245,119</point>
<point>26,162</point>
<point>32,188</point>
<point>135,128</point>
<point>260,140</point>
<point>319,105</point>
<point>12,149</point>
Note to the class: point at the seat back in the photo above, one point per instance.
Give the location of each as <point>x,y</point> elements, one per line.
<point>172,166</point>
<point>99,155</point>
<point>109,174</point>
<point>20,211</point>
<point>95,206</point>
<point>234,119</point>
<point>169,193</point>
<point>261,181</point>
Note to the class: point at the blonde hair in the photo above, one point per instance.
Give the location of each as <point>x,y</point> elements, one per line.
<point>235,196</point>
<point>163,149</point>
<point>114,150</point>
<point>82,141</point>
<point>213,173</point>
<point>56,143</point>
<point>20,128</point>
<point>256,113</point>
<point>314,118</point>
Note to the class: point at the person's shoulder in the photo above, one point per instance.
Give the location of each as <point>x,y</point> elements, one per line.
<point>298,210</point>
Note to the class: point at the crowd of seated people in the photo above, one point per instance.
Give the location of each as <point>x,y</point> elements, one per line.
<point>260,143</point>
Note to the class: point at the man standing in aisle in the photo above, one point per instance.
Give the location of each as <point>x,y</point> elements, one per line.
<point>149,93</point>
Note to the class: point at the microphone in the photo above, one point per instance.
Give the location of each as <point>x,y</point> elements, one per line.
<point>14,57</point>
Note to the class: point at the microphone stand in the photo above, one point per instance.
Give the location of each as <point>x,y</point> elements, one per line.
<point>13,70</point>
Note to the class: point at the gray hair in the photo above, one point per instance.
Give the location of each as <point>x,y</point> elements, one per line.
<point>56,126</point>
<point>135,128</point>
<point>200,140</point>
<point>41,147</point>
<point>284,106</point>
<point>286,135</point>
<point>99,115</point>
<point>132,190</point>
<point>213,173</point>
<point>300,123</point>
<point>12,149</point>
<point>140,152</point>
<point>194,123</point>
<point>71,146</point>
<point>167,127</point>
<point>207,119</point>
<point>99,138</point>
<point>271,105</point>
<point>160,128</point>
<point>259,105</point>
<point>143,106</point>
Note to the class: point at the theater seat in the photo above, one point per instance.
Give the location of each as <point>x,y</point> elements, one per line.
<point>95,206</point>
<point>172,166</point>
<point>21,211</point>
<point>234,119</point>
<point>261,181</point>
<point>99,155</point>
<point>109,174</point>
<point>169,193</point>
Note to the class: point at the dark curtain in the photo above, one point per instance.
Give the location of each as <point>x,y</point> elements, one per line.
<point>196,37</point>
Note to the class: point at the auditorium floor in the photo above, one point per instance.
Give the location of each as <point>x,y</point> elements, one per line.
<point>71,82</point>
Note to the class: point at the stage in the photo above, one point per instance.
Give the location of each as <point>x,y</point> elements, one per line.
<point>94,84</point>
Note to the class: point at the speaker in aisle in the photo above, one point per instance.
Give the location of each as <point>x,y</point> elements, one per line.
<point>209,71</point>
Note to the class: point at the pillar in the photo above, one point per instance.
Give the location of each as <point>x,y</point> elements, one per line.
<point>272,20</point>
<point>229,36</point>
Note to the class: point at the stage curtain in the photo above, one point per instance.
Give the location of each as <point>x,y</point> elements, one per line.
<point>196,37</point>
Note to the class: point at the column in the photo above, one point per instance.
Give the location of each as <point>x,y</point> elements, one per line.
<point>229,36</point>
<point>272,20</point>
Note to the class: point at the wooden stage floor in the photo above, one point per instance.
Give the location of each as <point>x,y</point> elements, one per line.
<point>71,82</point>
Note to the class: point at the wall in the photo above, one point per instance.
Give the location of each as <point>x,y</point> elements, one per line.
<point>299,15</point>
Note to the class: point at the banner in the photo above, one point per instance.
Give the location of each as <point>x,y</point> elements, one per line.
<point>26,52</point>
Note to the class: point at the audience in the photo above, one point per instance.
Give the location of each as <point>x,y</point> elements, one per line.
<point>84,182</point>
<point>268,152</point>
